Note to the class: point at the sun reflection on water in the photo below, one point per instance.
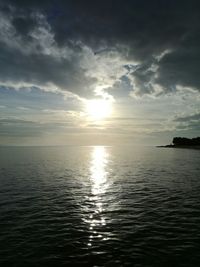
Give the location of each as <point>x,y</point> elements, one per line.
<point>98,170</point>
<point>99,185</point>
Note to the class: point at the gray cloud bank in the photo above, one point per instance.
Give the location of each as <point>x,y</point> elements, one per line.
<point>67,44</point>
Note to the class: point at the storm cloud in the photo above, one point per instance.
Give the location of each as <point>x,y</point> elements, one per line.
<point>67,44</point>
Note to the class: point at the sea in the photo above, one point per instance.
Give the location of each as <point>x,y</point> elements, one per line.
<point>99,206</point>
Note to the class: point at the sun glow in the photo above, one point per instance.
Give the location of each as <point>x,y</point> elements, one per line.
<point>98,109</point>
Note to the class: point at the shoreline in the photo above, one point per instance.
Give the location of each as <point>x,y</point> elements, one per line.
<point>174,146</point>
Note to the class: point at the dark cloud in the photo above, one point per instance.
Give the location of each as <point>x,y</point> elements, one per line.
<point>180,67</point>
<point>193,117</point>
<point>189,123</point>
<point>145,28</point>
<point>23,25</point>
<point>121,88</point>
<point>143,79</point>
<point>40,69</point>
<point>133,21</point>
<point>190,126</point>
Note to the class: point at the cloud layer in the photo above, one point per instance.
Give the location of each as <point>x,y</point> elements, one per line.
<point>142,55</point>
<point>141,47</point>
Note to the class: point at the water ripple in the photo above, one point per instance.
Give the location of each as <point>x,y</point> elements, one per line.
<point>99,206</point>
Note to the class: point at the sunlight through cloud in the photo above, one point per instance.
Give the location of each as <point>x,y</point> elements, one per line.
<point>98,109</point>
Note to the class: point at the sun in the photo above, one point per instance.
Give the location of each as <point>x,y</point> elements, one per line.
<point>98,109</point>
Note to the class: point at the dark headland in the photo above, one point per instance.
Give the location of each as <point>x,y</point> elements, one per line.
<point>183,142</point>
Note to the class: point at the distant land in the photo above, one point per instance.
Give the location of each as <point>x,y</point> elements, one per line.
<point>183,142</point>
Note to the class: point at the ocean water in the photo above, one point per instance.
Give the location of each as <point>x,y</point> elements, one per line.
<point>99,206</point>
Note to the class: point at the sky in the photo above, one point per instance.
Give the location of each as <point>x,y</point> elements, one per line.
<point>99,72</point>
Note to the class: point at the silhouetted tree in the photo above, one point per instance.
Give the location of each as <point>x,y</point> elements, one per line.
<point>182,141</point>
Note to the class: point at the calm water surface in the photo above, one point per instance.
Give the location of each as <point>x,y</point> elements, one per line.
<point>99,206</point>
